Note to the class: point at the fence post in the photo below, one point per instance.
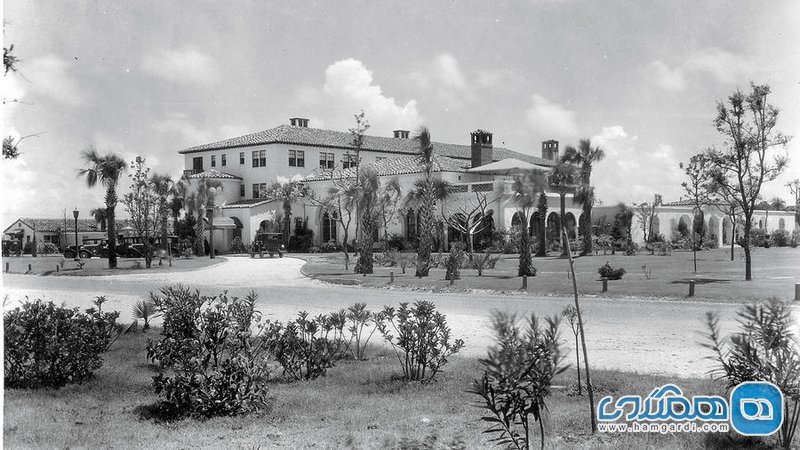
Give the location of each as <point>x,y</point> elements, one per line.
<point>605,284</point>
<point>6,267</point>
<point>391,276</point>
<point>691,288</point>
<point>56,267</point>
<point>29,267</point>
<point>525,282</point>
<point>797,291</point>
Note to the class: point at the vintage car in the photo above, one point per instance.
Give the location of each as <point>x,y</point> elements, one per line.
<point>270,243</point>
<point>12,247</point>
<point>84,252</point>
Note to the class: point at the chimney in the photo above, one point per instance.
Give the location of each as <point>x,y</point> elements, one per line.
<point>401,134</point>
<point>481,148</point>
<point>298,122</point>
<point>658,201</point>
<point>550,150</point>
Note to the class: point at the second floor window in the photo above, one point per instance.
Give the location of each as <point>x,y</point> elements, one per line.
<point>241,157</point>
<point>260,158</point>
<point>224,161</point>
<point>326,160</point>
<point>213,160</point>
<point>259,190</point>
<point>297,158</point>
<point>348,161</point>
<point>241,190</point>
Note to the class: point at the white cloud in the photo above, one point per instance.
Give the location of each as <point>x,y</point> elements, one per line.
<point>349,86</point>
<point>551,120</point>
<point>721,65</point>
<point>672,79</point>
<point>630,174</point>
<point>49,76</point>
<point>449,73</point>
<point>184,66</point>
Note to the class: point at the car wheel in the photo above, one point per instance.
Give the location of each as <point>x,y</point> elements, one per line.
<point>280,254</point>
<point>85,255</point>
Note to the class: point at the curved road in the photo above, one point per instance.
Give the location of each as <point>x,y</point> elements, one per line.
<point>646,336</point>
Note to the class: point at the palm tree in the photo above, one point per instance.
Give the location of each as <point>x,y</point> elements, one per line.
<point>367,205</point>
<point>105,170</point>
<point>287,192</point>
<point>100,216</point>
<point>525,192</point>
<point>427,203</point>
<point>561,181</point>
<point>441,191</point>
<point>585,156</point>
<point>196,201</point>
<point>163,187</point>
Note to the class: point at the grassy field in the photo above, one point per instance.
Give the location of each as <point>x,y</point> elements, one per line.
<point>52,265</point>
<point>358,405</point>
<point>775,272</point>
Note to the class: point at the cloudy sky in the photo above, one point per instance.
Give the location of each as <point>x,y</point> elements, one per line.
<point>152,77</point>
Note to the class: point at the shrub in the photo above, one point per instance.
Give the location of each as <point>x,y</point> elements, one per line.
<point>360,319</point>
<point>396,242</point>
<point>145,310</point>
<point>307,348</point>
<point>454,261</point>
<point>517,378</point>
<point>302,239</point>
<point>52,346</point>
<point>604,242</point>
<point>422,341</point>
<point>758,237</point>
<point>329,247</point>
<point>237,246</point>
<point>215,363</point>
<point>764,349</point>
<point>483,261</point>
<point>405,260</point>
<point>794,241</point>
<point>779,238</point>
<point>47,248</point>
<point>610,273</point>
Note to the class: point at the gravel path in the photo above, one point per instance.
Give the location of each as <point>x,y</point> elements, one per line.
<point>647,336</point>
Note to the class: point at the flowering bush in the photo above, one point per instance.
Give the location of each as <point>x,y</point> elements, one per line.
<point>51,346</point>
<point>608,272</point>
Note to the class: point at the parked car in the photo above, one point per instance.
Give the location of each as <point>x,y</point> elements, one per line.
<point>269,242</point>
<point>83,252</point>
<point>12,247</point>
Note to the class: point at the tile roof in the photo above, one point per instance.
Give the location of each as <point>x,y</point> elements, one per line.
<point>249,203</point>
<point>51,225</point>
<point>287,134</point>
<point>211,173</point>
<point>394,166</point>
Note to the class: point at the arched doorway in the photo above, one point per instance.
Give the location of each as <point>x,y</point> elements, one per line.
<point>517,220</point>
<point>535,224</point>
<point>569,223</point>
<point>685,225</point>
<point>727,228</point>
<point>267,226</point>
<point>329,229</point>
<point>412,225</point>
<point>553,227</point>
<point>713,229</point>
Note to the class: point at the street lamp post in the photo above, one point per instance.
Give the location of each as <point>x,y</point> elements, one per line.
<point>75,213</point>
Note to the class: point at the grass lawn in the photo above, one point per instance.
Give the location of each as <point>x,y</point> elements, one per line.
<point>359,404</point>
<point>51,265</point>
<point>775,272</point>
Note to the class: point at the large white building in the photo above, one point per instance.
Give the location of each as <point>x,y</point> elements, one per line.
<point>247,165</point>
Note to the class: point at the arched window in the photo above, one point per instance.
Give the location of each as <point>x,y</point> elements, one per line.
<point>517,220</point>
<point>329,226</point>
<point>411,225</point>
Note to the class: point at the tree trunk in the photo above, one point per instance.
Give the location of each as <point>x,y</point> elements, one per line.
<point>578,365</point>
<point>148,253</point>
<point>565,237</point>
<point>589,389</point>
<point>111,203</point>
<point>425,238</point>
<point>344,249</point>
<point>287,222</point>
<point>364,264</point>
<point>748,274</point>
<point>525,255</point>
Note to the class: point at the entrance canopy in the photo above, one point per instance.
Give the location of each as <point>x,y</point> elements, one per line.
<point>508,166</point>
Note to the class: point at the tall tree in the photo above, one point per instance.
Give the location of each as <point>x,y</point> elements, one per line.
<point>100,216</point>
<point>441,192</point>
<point>106,170</point>
<point>647,214</point>
<point>340,201</point>
<point>198,199</point>
<point>585,156</point>
<point>525,192</point>
<point>358,132</point>
<point>562,181</point>
<point>142,206</point>
<point>747,122</point>
<point>469,219</point>
<point>794,188</point>
<point>388,200</point>
<point>287,192</point>
<point>541,208</point>
<point>368,206</point>
<point>427,203</point>
<point>698,187</point>
<point>163,187</point>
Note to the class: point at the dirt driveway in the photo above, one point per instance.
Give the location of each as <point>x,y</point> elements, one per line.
<point>647,336</point>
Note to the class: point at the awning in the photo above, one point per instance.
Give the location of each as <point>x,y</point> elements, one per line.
<point>508,166</point>
<point>223,223</point>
